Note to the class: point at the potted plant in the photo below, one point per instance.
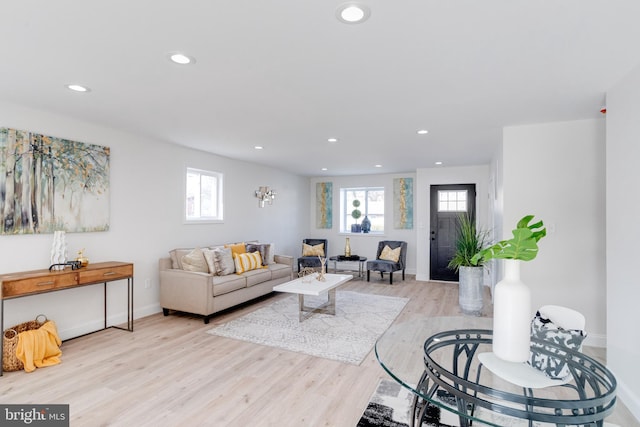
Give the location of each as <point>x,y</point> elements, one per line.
<point>512,298</point>
<point>356,214</point>
<point>469,242</point>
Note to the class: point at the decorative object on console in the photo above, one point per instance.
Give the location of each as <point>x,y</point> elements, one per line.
<point>265,195</point>
<point>347,248</point>
<point>512,298</point>
<point>81,174</point>
<point>324,202</point>
<point>84,261</point>
<point>58,251</point>
<point>403,203</point>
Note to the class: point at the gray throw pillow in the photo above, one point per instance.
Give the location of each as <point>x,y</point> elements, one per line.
<point>223,262</point>
<point>264,249</point>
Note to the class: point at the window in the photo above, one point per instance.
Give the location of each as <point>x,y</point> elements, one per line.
<point>452,201</point>
<point>370,203</point>
<point>203,196</point>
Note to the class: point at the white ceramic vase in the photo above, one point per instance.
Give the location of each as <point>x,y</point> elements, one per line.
<point>511,315</point>
<point>58,250</point>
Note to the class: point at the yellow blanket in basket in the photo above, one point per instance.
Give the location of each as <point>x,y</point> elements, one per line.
<point>39,347</point>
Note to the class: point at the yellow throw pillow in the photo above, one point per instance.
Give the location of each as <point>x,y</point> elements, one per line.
<point>247,261</point>
<point>237,248</point>
<point>389,254</point>
<point>315,250</point>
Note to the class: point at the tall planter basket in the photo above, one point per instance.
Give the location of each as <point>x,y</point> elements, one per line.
<point>10,361</point>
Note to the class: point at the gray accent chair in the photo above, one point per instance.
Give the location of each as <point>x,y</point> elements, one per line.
<point>384,266</point>
<point>312,261</point>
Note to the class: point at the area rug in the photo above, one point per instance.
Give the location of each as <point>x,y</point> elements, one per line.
<point>390,406</point>
<point>347,337</point>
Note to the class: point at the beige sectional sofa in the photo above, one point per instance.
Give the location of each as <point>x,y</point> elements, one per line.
<point>190,289</point>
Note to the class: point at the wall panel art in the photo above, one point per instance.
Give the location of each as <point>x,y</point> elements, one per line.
<point>403,203</point>
<point>49,184</point>
<point>324,202</point>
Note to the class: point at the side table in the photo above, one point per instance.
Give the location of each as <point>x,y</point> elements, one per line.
<point>360,259</point>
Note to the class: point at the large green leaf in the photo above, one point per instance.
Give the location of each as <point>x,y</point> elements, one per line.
<point>523,246</point>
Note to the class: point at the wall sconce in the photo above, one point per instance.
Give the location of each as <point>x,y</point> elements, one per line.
<point>265,194</point>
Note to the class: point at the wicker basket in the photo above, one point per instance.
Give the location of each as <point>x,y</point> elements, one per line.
<point>10,361</point>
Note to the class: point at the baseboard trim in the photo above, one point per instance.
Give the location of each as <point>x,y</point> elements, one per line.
<point>115,319</point>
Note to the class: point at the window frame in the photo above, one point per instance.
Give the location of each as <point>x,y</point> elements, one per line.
<point>345,211</point>
<point>219,197</point>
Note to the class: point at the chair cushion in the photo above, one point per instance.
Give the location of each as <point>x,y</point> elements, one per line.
<point>384,266</point>
<point>389,254</point>
<point>546,330</point>
<point>315,250</point>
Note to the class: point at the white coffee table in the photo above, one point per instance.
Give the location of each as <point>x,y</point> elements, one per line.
<point>310,285</point>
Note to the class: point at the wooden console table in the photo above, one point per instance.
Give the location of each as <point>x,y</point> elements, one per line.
<point>22,284</point>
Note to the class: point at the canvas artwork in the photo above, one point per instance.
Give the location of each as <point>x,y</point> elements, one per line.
<point>403,203</point>
<point>49,184</point>
<point>324,201</point>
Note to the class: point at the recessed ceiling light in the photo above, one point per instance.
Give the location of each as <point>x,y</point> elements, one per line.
<point>438,163</point>
<point>324,169</point>
<point>78,88</point>
<point>352,13</point>
<point>423,132</point>
<point>258,147</point>
<point>332,139</point>
<point>181,58</point>
<point>378,166</point>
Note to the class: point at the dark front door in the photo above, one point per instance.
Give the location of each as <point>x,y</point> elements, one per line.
<point>447,203</point>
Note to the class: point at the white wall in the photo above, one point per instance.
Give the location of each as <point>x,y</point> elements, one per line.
<point>147,178</point>
<point>478,175</point>
<point>362,244</point>
<point>623,235</point>
<point>556,171</point>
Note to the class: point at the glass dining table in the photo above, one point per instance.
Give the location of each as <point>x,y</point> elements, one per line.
<point>437,358</point>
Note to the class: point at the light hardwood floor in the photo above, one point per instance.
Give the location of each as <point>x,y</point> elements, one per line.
<point>169,372</point>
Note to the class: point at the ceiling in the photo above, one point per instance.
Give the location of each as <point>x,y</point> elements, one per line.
<point>287,75</point>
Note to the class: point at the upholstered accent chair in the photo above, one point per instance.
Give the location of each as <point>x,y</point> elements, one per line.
<point>391,256</point>
<point>312,260</point>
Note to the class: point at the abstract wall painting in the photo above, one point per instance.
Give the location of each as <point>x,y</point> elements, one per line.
<point>49,184</point>
<point>403,203</point>
<point>324,202</point>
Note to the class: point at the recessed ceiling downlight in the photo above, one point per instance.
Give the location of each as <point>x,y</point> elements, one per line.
<point>423,132</point>
<point>352,13</point>
<point>78,88</point>
<point>181,58</point>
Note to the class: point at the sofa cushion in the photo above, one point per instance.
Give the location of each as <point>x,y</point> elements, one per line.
<point>315,250</point>
<point>247,262</point>
<point>195,261</point>
<point>255,277</point>
<point>279,271</point>
<point>176,257</point>
<point>225,284</point>
<point>223,263</point>
<point>265,250</point>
